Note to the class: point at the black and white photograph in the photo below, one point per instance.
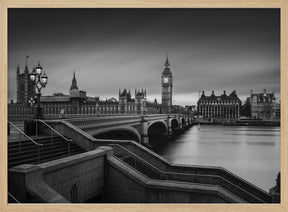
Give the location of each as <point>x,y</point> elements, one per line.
<point>143,105</point>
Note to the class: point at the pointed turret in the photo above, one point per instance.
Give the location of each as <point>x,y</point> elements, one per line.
<point>74,83</point>
<point>27,60</point>
<point>167,71</point>
<point>203,94</point>
<point>212,93</point>
<point>26,71</point>
<point>26,65</point>
<point>167,62</point>
<point>129,95</point>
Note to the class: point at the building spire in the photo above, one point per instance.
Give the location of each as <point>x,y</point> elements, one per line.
<point>27,56</point>
<point>74,83</point>
<point>167,61</point>
<point>26,65</point>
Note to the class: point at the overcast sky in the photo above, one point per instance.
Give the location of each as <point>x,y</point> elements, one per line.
<point>209,49</point>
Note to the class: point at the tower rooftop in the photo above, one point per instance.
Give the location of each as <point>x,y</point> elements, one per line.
<point>74,83</point>
<point>167,71</point>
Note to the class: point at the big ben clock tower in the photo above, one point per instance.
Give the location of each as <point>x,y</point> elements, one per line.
<point>166,82</point>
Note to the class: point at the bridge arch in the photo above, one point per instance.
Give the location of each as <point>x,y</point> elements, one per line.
<point>157,127</point>
<point>174,123</point>
<point>158,122</point>
<point>118,133</point>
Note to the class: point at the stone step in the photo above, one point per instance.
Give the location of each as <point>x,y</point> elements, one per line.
<point>55,147</point>
<point>26,148</point>
<point>43,159</point>
<point>49,151</point>
<point>28,142</point>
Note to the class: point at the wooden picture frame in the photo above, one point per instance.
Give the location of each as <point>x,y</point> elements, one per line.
<point>5,4</point>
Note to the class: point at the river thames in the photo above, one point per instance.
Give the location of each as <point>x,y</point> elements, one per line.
<point>253,153</point>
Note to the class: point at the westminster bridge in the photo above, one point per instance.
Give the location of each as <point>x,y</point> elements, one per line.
<point>128,127</point>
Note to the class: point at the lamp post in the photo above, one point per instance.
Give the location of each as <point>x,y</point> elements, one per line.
<point>39,79</point>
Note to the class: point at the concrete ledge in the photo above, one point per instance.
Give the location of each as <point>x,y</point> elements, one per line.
<point>71,160</point>
<point>43,193</point>
<point>77,178</point>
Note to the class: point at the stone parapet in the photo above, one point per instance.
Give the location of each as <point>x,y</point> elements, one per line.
<point>76,178</point>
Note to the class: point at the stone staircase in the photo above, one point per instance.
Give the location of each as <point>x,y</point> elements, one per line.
<point>26,152</point>
<point>153,172</point>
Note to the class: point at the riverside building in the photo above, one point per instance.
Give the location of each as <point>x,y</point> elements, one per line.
<point>219,107</point>
<point>264,106</point>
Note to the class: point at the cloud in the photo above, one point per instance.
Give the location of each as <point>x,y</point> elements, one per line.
<point>111,49</point>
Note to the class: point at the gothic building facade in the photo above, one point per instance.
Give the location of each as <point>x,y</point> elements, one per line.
<point>77,102</point>
<point>263,105</point>
<point>219,107</point>
<point>25,87</point>
<point>128,105</point>
<point>166,84</point>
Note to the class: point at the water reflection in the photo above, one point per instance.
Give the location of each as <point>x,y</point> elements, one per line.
<point>252,153</point>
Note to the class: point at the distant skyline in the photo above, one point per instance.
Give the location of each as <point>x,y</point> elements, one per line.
<point>112,49</point>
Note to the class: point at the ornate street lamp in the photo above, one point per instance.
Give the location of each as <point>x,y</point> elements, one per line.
<point>39,79</point>
<point>31,102</point>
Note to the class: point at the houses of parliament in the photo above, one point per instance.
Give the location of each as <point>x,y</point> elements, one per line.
<point>77,102</point>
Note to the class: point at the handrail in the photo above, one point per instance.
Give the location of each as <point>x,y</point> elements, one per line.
<point>13,197</point>
<point>38,144</point>
<point>43,122</point>
<point>164,173</point>
<point>139,158</point>
<point>171,165</point>
<point>167,173</point>
<point>150,183</point>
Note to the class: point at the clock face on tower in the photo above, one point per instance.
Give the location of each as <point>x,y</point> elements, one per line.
<point>165,80</point>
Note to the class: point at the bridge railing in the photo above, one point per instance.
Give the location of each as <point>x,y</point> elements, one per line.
<point>81,122</point>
